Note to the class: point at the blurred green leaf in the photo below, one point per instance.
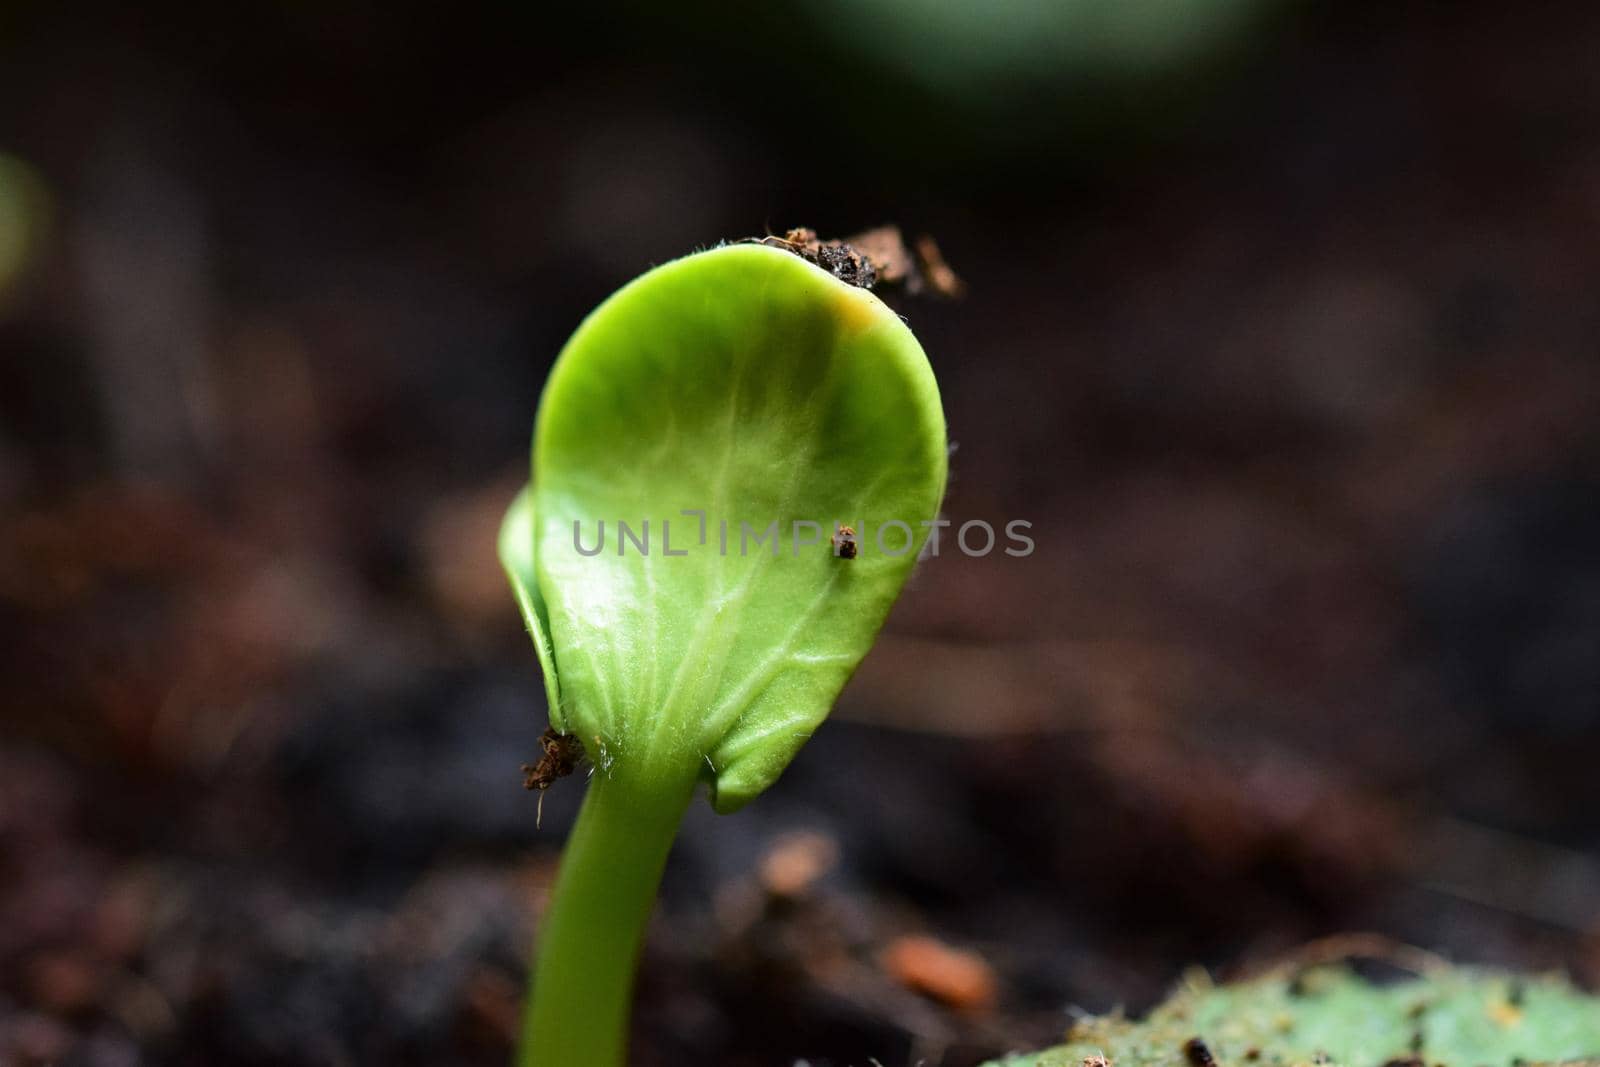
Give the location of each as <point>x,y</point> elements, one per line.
<point>24,217</point>
<point>1453,1017</point>
<point>991,48</point>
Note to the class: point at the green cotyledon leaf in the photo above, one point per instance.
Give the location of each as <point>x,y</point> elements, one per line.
<point>733,408</point>
<point>516,556</point>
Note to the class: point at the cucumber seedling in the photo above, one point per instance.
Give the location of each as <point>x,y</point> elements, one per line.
<point>737,406</point>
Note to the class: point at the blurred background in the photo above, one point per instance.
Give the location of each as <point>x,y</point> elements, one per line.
<point>1281,330</point>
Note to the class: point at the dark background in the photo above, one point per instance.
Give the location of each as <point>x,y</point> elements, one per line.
<point>1281,330</point>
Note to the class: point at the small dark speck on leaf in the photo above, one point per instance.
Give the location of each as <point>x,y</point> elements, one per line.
<point>844,542</point>
<point>1197,1053</point>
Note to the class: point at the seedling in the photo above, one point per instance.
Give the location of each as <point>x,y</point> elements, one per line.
<point>721,415</point>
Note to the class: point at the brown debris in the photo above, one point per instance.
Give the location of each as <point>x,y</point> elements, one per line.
<point>937,277</point>
<point>1198,1053</point>
<point>836,257</point>
<point>919,269</point>
<point>957,978</point>
<point>872,257</point>
<point>560,757</point>
<point>844,542</point>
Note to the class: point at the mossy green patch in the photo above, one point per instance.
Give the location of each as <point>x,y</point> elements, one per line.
<point>1450,1017</point>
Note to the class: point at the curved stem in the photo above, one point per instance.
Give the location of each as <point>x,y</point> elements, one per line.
<point>589,940</point>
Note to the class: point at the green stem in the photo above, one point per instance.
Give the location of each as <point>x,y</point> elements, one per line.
<point>589,939</point>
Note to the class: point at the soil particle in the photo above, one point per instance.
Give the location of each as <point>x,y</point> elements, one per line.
<point>795,862</point>
<point>844,542</point>
<point>560,756</point>
<point>836,257</point>
<point>1198,1053</point>
<point>937,277</point>
<point>848,265</point>
<point>919,269</point>
<point>959,979</point>
<point>873,257</point>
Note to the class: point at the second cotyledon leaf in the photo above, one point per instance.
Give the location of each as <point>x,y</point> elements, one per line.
<point>722,400</point>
